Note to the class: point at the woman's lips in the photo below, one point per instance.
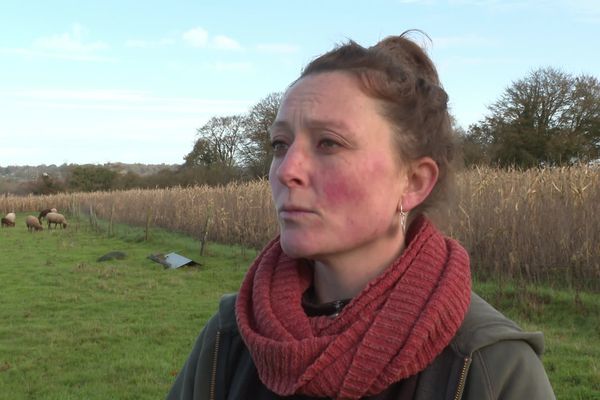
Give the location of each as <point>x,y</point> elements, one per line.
<point>292,212</point>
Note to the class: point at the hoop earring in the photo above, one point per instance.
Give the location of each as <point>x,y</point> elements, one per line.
<point>403,215</point>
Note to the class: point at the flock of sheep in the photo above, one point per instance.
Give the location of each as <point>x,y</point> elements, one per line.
<point>34,223</point>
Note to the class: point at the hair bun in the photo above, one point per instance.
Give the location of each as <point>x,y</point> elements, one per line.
<point>405,52</point>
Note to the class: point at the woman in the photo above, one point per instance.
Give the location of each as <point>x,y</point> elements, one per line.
<point>360,296</point>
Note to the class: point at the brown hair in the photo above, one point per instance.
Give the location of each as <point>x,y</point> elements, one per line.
<point>399,73</point>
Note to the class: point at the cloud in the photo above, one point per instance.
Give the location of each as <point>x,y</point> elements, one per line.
<point>277,48</point>
<point>199,37</point>
<point>66,46</point>
<point>588,6</point>
<point>61,56</point>
<point>69,42</point>
<point>225,43</point>
<point>149,44</point>
<point>501,5</point>
<point>196,37</point>
<point>123,100</point>
<point>587,11</point>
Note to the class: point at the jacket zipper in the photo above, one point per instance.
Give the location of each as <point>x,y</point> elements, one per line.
<point>213,378</point>
<point>463,378</point>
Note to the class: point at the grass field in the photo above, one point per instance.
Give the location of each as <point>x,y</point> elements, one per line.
<point>74,328</point>
<point>539,225</point>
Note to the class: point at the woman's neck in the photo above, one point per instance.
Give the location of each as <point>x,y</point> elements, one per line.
<point>346,276</point>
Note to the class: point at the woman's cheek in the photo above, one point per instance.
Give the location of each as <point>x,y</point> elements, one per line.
<point>343,190</point>
<point>354,186</point>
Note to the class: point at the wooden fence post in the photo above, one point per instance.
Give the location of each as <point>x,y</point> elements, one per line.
<point>92,224</point>
<point>147,224</point>
<point>110,222</point>
<point>205,233</point>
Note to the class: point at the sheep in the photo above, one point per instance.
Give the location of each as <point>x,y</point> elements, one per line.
<point>45,211</point>
<point>33,224</point>
<point>12,217</point>
<point>6,222</point>
<point>56,219</point>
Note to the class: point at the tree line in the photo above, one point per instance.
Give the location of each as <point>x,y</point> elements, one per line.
<point>548,118</point>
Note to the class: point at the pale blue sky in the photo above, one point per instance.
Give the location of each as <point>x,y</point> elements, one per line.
<point>124,81</point>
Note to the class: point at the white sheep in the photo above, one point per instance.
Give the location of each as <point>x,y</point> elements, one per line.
<point>56,219</point>
<point>12,217</point>
<point>33,224</point>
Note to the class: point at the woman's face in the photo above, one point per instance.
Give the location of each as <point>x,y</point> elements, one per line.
<point>336,180</point>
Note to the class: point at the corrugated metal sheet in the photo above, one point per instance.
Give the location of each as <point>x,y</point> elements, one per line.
<point>172,260</point>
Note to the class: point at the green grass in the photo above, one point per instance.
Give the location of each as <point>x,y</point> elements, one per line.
<point>74,328</point>
<point>571,326</point>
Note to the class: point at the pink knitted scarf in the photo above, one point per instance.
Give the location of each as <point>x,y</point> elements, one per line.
<point>393,329</point>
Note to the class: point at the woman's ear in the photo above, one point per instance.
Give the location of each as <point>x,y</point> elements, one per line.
<point>422,174</point>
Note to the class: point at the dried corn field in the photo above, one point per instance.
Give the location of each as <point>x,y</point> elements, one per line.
<point>537,225</point>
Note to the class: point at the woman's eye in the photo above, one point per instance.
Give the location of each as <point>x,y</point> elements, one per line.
<point>328,144</point>
<point>278,146</point>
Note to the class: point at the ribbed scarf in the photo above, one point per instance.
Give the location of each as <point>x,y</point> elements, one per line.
<point>393,329</point>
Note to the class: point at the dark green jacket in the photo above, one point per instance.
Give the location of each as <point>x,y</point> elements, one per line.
<point>489,358</point>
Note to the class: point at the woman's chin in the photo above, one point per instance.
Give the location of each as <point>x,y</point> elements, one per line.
<point>295,247</point>
<point>294,251</point>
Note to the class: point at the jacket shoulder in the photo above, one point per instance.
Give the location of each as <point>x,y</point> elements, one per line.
<point>505,360</point>
<point>507,370</point>
<point>484,325</point>
<point>226,315</point>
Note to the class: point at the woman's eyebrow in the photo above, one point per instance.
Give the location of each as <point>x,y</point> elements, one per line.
<point>280,126</point>
<point>335,125</point>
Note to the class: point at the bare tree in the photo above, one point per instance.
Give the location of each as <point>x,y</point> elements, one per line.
<point>256,153</point>
<point>219,143</point>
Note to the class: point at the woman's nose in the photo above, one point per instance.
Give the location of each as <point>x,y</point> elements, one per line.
<point>292,166</point>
